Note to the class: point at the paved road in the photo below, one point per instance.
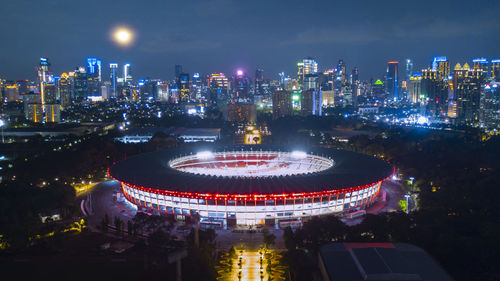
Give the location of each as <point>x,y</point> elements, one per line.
<point>104,202</point>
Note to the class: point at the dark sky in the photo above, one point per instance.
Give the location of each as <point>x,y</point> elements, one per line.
<point>222,35</point>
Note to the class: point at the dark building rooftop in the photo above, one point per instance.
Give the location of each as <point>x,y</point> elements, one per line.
<point>378,261</point>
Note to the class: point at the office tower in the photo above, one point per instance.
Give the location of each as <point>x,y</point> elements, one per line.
<point>196,87</point>
<point>240,112</point>
<point>415,88</point>
<point>307,66</point>
<point>127,73</point>
<point>341,71</point>
<point>259,81</point>
<point>183,85</point>
<point>11,91</point>
<point>64,89</point>
<point>178,70</point>
<point>44,76</point>
<point>240,87</point>
<point>113,78</point>
<point>33,107</point>
<point>355,75</point>
<point>434,93</point>
<point>495,69</point>
<point>94,68</point>
<point>80,79</point>
<point>311,81</point>
<point>218,88</point>
<point>392,80</point>
<point>467,93</point>
<point>409,69</point>
<point>310,103</point>
<point>23,86</point>
<point>481,63</point>
<point>93,77</point>
<point>378,89</point>
<point>163,91</point>
<point>489,117</point>
<point>52,106</point>
<point>442,67</point>
<point>282,104</point>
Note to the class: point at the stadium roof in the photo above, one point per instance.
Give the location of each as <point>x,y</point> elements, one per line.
<point>149,170</point>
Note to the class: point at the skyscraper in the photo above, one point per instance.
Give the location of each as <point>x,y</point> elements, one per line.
<point>442,67</point>
<point>64,89</point>
<point>415,88</point>
<point>495,68</point>
<point>240,87</point>
<point>113,77</point>
<point>178,70</point>
<point>282,104</point>
<point>183,81</point>
<point>127,73</point>
<point>481,63</point>
<point>94,68</point>
<point>219,88</point>
<point>409,69</point>
<point>341,71</point>
<point>490,106</point>
<point>392,80</point>
<point>52,107</point>
<point>355,75</point>
<point>80,84</point>
<point>259,80</point>
<point>44,76</point>
<point>307,66</point>
<point>310,103</point>
<point>467,92</point>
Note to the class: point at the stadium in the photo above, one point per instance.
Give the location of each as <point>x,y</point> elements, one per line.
<point>229,186</point>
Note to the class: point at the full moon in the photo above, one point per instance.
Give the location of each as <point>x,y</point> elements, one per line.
<point>123,36</point>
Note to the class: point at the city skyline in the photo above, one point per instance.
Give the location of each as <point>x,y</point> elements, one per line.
<point>199,35</point>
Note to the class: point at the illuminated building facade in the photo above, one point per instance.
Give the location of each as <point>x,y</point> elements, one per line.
<point>392,80</point>
<point>467,92</point>
<point>442,67</point>
<point>282,104</point>
<point>495,69</point>
<point>113,78</point>
<point>238,186</point>
<point>33,107</point>
<point>306,66</point>
<point>490,106</point>
<point>80,80</point>
<point>240,87</point>
<point>310,103</point>
<point>415,88</point>
<point>241,112</point>
<point>218,88</point>
<point>183,84</point>
<point>434,93</point>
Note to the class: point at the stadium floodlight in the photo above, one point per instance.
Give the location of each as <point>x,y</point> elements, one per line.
<point>299,154</point>
<point>204,155</point>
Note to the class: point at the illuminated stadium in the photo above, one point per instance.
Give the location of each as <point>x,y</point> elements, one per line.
<point>233,186</point>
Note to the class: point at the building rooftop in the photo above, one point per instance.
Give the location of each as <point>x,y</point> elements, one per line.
<point>378,261</point>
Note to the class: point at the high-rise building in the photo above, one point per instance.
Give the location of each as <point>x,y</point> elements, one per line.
<point>80,80</point>
<point>409,69</point>
<point>178,70</point>
<point>310,103</point>
<point>311,82</point>
<point>307,66</point>
<point>94,68</point>
<point>240,87</point>
<point>44,76</point>
<point>378,89</point>
<point>442,67</point>
<point>11,91</point>
<point>434,93</point>
<point>481,63</point>
<point>489,117</point>
<point>33,107</point>
<point>282,104</point>
<point>495,68</point>
<point>113,78</point>
<point>341,71</point>
<point>52,106</point>
<point>415,88</point>
<point>183,84</point>
<point>127,73</point>
<point>392,80</point>
<point>259,82</point>
<point>467,93</point>
<point>218,88</point>
<point>355,75</point>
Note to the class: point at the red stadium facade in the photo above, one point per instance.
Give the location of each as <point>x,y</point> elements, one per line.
<point>251,187</point>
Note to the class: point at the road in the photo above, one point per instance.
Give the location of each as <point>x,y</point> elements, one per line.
<point>104,202</point>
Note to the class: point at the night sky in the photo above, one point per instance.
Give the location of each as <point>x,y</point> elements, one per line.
<point>222,35</point>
